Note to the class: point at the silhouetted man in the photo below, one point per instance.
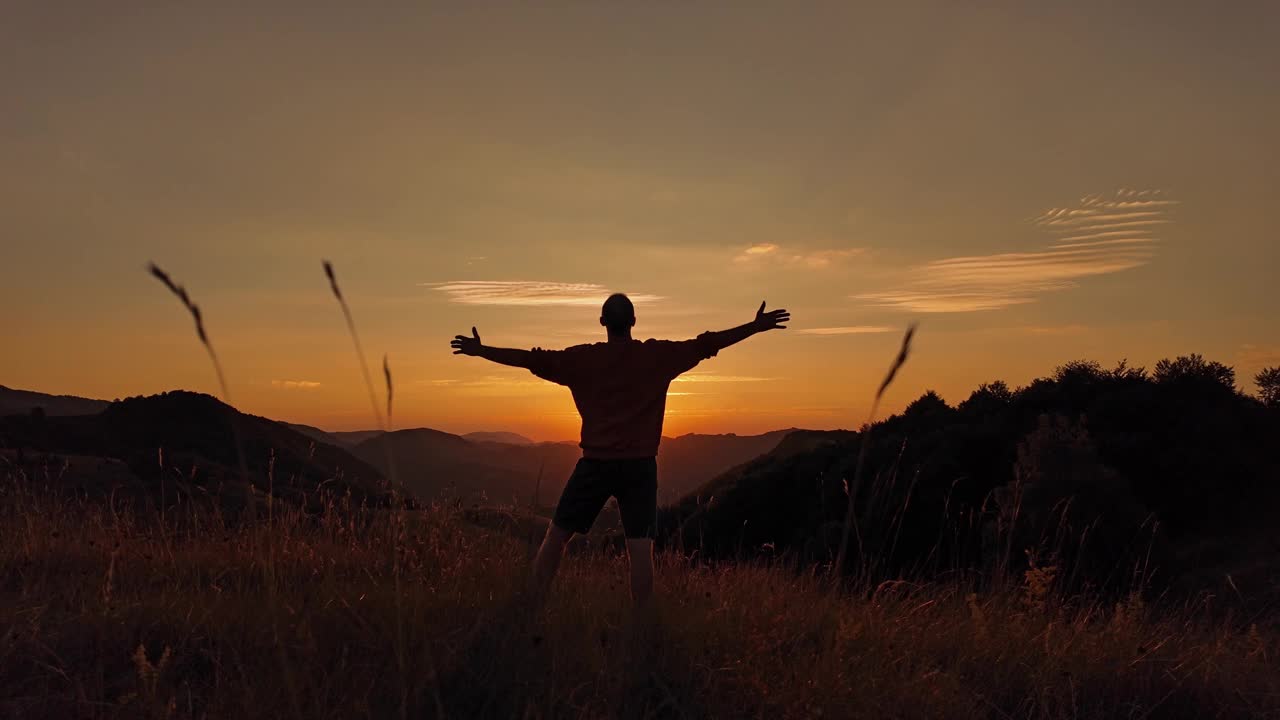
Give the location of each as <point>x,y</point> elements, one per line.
<point>620,388</point>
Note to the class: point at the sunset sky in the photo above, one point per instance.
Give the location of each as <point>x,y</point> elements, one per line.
<point>1032,184</point>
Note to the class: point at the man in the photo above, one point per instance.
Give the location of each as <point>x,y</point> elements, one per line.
<point>620,389</point>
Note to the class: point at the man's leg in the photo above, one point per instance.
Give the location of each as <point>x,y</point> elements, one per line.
<point>548,559</point>
<point>637,495</point>
<point>580,502</point>
<point>640,555</point>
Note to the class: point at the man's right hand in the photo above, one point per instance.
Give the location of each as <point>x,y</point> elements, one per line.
<point>772,320</point>
<point>463,345</point>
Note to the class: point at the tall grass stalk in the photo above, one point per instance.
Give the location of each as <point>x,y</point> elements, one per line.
<point>181,293</point>
<point>850,517</point>
<point>355,339</point>
<point>397,503</point>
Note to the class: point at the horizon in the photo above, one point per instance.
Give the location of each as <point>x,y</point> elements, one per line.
<point>1029,185</point>
<point>369,429</point>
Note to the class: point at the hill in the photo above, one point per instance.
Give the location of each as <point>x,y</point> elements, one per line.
<point>688,461</point>
<point>15,402</point>
<point>187,442</point>
<point>431,463</point>
<point>339,438</point>
<point>508,438</point>
<point>314,433</point>
<point>1170,477</point>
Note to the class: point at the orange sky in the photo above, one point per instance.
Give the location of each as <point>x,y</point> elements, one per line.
<point>1033,185</point>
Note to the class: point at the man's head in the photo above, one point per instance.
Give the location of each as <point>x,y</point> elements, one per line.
<point>618,314</point>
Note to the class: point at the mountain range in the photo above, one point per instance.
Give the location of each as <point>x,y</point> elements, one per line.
<point>194,429</point>
<point>188,444</point>
<point>433,463</point>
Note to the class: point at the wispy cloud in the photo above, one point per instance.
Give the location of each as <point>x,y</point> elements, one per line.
<point>1127,224</point>
<point>487,381</point>
<point>1104,235</point>
<point>714,378</point>
<point>848,330</point>
<point>490,386</point>
<point>761,253</point>
<point>295,384</point>
<point>1099,236</point>
<point>1105,243</point>
<point>529,293</point>
<point>1126,213</point>
<point>1088,218</point>
<point>757,251</point>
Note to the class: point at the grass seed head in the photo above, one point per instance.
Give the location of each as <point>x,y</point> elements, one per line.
<point>181,293</point>
<point>386,374</point>
<point>333,281</point>
<point>899,361</point>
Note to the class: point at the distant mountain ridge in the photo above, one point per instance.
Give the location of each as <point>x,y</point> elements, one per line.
<point>432,462</point>
<point>339,438</point>
<point>505,466</point>
<point>508,438</point>
<point>483,466</point>
<point>17,402</point>
<point>190,439</point>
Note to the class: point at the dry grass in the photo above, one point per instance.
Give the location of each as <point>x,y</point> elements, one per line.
<point>107,614</point>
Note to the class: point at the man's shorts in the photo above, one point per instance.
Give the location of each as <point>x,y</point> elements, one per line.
<point>633,481</point>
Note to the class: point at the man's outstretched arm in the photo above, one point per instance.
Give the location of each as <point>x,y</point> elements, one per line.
<point>463,345</point>
<point>772,320</point>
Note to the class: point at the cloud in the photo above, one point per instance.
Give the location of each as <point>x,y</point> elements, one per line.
<point>848,330</point>
<point>489,381</point>
<point>528,293</point>
<point>758,250</point>
<point>942,302</point>
<point>1109,225</point>
<point>1094,217</point>
<point>492,386</point>
<point>295,384</point>
<point>1137,211</point>
<point>774,254</point>
<point>991,282</point>
<point>712,377</point>
<point>1101,235</point>
<point>1104,243</point>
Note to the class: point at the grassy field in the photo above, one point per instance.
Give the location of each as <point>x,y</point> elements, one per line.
<point>105,612</point>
